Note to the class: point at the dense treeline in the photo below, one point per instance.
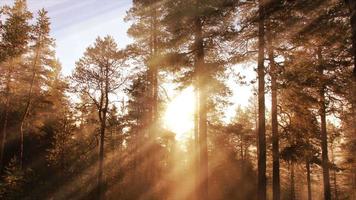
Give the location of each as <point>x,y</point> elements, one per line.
<point>100,133</point>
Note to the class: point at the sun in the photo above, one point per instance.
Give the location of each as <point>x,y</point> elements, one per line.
<point>179,114</point>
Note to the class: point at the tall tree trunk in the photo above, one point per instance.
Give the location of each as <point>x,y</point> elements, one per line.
<point>275,135</point>
<point>147,134</point>
<point>196,142</point>
<point>153,76</point>
<point>202,99</point>
<point>336,196</point>
<point>292,182</point>
<point>28,103</point>
<point>352,7</point>
<point>203,142</point>
<point>25,114</point>
<point>324,136</point>
<point>101,159</point>
<point>262,179</point>
<point>307,166</point>
<point>353,191</point>
<point>6,116</point>
<point>155,70</point>
<point>4,132</point>
<point>102,117</point>
<point>241,148</point>
<point>354,119</point>
<point>353,92</point>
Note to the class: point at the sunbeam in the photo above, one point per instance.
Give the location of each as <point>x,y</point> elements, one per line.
<point>179,115</point>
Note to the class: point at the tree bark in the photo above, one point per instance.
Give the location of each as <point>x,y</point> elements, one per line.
<point>28,106</point>
<point>336,196</point>
<point>6,116</point>
<point>102,117</point>
<point>196,142</point>
<point>262,180</point>
<point>307,166</point>
<point>4,133</point>
<point>352,7</point>
<point>101,160</point>
<point>151,170</point>
<point>202,113</point>
<point>241,148</point>
<point>292,182</point>
<point>275,134</point>
<point>354,114</point>
<point>353,171</point>
<point>324,136</point>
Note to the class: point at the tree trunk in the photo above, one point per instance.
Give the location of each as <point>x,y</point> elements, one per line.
<point>354,117</point>
<point>241,148</point>
<point>23,119</point>
<point>275,134</point>
<point>324,137</point>
<point>202,114</point>
<point>292,182</point>
<point>336,196</point>
<point>353,171</point>
<point>153,96</point>
<point>196,144</point>
<point>102,116</point>
<point>352,7</point>
<point>28,105</point>
<point>203,143</point>
<point>155,71</point>
<point>262,180</point>
<point>307,166</point>
<point>101,160</point>
<point>6,117</point>
<point>4,134</point>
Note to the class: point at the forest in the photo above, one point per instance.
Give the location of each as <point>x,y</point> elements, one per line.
<point>148,121</point>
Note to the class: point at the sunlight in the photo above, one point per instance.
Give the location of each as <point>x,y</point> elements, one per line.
<point>179,115</point>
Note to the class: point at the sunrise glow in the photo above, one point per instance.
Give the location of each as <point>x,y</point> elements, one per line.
<point>179,114</point>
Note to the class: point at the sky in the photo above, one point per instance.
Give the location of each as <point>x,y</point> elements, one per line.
<point>76,23</point>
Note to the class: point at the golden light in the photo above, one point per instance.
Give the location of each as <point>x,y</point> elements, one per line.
<point>179,115</point>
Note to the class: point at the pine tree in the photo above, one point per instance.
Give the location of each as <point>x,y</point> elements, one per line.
<point>98,74</point>
<point>41,62</point>
<point>198,34</point>
<point>352,7</point>
<point>13,45</point>
<point>262,182</point>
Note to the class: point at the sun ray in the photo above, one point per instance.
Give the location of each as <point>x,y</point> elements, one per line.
<point>179,114</point>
